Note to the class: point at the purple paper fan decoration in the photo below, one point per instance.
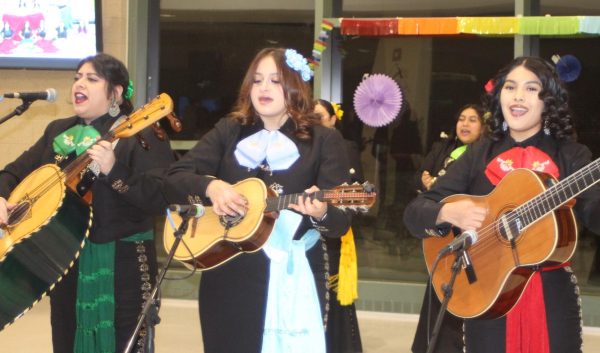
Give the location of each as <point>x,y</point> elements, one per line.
<point>377,100</point>
<point>568,68</point>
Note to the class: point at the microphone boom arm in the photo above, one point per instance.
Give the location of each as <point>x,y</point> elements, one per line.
<point>17,111</point>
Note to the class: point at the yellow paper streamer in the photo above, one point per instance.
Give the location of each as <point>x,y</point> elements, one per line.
<point>346,282</point>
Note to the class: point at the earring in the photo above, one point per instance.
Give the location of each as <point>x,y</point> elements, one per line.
<point>114,109</point>
<point>504,126</point>
<point>546,128</point>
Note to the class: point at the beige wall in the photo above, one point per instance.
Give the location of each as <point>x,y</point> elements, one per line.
<point>20,132</point>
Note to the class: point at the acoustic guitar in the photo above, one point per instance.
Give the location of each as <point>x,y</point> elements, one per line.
<point>48,226</point>
<point>529,222</point>
<point>212,240</point>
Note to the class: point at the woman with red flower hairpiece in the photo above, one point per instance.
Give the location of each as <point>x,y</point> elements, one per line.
<point>531,127</point>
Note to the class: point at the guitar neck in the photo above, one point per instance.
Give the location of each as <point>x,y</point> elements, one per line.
<point>354,197</point>
<point>82,161</point>
<point>282,202</point>
<point>558,194</point>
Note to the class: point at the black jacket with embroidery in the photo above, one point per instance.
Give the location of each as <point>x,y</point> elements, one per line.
<point>466,176</point>
<point>124,201</point>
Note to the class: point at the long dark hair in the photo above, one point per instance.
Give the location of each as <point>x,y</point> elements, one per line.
<point>114,72</point>
<point>296,92</point>
<point>556,117</point>
<point>480,113</point>
<point>329,109</point>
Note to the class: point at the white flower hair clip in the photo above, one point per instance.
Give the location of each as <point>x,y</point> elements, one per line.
<point>298,63</point>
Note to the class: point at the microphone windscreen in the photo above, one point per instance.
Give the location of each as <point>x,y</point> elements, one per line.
<point>51,95</point>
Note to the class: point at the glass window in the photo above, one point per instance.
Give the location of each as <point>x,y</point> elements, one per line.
<point>204,54</point>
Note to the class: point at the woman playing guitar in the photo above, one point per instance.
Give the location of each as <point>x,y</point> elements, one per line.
<point>274,299</point>
<point>531,127</point>
<point>96,304</point>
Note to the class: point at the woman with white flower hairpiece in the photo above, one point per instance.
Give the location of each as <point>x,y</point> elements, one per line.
<point>275,299</point>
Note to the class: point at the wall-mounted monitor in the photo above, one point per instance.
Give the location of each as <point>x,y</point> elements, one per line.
<point>49,34</point>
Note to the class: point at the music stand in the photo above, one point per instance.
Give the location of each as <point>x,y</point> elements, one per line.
<point>447,289</point>
<point>151,302</point>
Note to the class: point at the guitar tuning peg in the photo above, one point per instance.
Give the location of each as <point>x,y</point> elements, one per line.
<point>142,141</point>
<point>174,122</point>
<point>159,132</point>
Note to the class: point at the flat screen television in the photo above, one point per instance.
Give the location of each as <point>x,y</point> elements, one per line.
<point>49,34</point>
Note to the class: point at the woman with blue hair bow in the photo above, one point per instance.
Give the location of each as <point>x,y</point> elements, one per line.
<point>275,299</point>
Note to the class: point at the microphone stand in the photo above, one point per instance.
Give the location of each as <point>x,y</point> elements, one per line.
<point>151,302</point>
<point>18,111</point>
<point>447,289</point>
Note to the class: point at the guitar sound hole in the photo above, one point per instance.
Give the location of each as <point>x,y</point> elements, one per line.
<point>19,213</point>
<point>230,221</point>
<point>509,226</point>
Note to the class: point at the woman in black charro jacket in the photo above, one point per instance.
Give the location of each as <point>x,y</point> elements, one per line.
<point>275,299</point>
<point>126,194</point>
<point>469,128</point>
<point>531,127</point>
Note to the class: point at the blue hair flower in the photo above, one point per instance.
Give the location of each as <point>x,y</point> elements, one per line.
<point>298,63</point>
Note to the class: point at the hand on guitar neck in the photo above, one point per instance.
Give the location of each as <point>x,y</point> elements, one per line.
<point>463,214</point>
<point>103,154</point>
<point>309,205</point>
<point>227,201</point>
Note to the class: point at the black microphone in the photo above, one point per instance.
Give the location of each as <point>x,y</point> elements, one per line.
<point>194,210</point>
<point>48,95</point>
<point>462,242</point>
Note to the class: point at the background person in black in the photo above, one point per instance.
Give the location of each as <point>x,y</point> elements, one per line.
<point>274,104</point>
<point>126,196</point>
<point>531,119</point>
<point>469,128</point>
<point>343,335</point>
<point>330,119</point>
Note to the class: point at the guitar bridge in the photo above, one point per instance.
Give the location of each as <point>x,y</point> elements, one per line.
<point>228,221</point>
<point>21,212</point>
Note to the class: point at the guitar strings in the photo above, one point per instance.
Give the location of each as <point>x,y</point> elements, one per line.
<point>490,230</point>
<point>541,199</point>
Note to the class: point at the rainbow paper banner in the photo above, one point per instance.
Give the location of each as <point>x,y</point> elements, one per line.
<point>589,24</point>
<point>376,27</point>
<point>547,25</point>
<point>320,44</point>
<point>428,26</point>
<point>431,26</point>
<point>488,25</point>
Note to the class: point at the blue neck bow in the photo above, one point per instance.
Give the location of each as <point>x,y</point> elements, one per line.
<point>279,151</point>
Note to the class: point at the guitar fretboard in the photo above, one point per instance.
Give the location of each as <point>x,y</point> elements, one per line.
<point>282,202</point>
<point>337,197</point>
<point>554,197</point>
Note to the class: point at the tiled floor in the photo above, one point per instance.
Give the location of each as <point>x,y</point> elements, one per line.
<point>179,331</point>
